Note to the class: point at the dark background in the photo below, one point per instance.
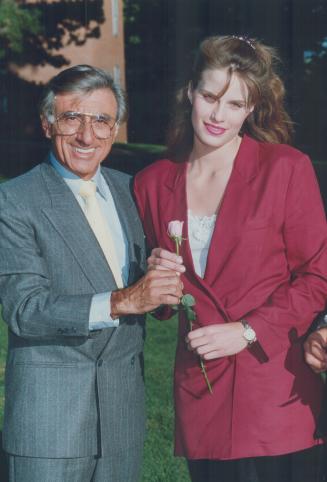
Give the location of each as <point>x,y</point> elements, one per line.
<point>160,38</point>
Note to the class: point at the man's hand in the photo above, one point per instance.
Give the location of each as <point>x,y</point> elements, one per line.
<point>152,290</point>
<point>216,341</point>
<point>315,350</point>
<point>161,259</point>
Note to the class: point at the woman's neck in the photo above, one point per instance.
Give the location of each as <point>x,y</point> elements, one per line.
<point>205,159</point>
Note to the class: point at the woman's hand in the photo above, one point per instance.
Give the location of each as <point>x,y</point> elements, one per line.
<point>216,341</point>
<point>315,350</point>
<point>163,259</point>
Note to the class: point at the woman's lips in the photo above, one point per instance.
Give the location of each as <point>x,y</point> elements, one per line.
<point>214,130</point>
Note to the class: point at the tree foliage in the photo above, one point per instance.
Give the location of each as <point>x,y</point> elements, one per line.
<point>37,33</point>
<point>18,24</point>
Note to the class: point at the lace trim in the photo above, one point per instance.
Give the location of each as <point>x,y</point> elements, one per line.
<point>201,227</point>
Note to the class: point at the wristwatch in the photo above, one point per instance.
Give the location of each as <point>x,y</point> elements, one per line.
<point>322,322</point>
<point>248,333</point>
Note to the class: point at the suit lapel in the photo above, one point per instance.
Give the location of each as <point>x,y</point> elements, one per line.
<point>129,219</point>
<point>69,221</point>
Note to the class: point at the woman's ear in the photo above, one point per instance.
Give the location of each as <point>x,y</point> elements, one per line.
<point>190,92</point>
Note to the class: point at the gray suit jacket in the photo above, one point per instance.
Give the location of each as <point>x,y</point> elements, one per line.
<point>69,392</point>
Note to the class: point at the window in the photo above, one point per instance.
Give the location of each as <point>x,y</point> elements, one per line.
<point>117,74</point>
<point>115,16</point>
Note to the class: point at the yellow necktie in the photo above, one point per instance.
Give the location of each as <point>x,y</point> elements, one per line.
<point>100,228</point>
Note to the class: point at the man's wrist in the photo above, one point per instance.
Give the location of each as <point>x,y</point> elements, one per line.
<point>119,304</point>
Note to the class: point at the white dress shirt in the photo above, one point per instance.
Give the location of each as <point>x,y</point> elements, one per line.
<point>99,316</point>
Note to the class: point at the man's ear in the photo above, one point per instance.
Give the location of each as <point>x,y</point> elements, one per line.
<point>115,133</point>
<point>46,127</point>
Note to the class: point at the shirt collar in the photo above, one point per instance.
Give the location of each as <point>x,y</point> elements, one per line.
<point>73,180</point>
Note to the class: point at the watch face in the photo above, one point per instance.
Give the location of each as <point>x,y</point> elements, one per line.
<point>249,334</point>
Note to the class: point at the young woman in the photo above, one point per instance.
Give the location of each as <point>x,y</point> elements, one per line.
<point>255,260</point>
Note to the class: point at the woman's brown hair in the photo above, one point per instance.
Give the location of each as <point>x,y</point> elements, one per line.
<point>255,64</point>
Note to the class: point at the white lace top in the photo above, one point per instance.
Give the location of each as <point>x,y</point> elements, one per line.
<point>200,229</point>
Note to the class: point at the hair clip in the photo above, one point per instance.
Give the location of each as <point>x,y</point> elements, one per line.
<point>246,39</point>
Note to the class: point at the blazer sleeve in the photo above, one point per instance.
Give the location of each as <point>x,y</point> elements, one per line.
<point>30,306</point>
<point>141,199</point>
<point>164,312</point>
<point>289,311</point>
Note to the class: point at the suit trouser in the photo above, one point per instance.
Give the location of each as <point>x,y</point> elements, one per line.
<point>124,467</point>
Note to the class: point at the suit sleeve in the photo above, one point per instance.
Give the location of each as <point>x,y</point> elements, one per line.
<point>30,306</point>
<point>289,311</point>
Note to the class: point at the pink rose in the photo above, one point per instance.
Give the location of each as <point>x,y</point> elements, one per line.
<point>175,229</point>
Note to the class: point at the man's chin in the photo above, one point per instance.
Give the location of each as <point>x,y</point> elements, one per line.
<point>84,169</point>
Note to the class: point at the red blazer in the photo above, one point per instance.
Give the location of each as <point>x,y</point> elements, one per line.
<point>267,263</point>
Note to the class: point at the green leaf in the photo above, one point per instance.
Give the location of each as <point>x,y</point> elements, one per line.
<point>188,300</point>
<point>190,314</point>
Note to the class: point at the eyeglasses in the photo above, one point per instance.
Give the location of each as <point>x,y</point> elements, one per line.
<point>69,123</point>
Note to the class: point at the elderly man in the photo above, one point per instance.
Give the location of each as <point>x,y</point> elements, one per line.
<point>316,345</point>
<point>73,294</point>
<point>315,353</point>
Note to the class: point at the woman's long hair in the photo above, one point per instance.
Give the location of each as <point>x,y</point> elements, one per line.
<point>255,64</point>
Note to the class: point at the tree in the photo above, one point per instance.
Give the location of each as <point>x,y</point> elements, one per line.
<point>18,26</point>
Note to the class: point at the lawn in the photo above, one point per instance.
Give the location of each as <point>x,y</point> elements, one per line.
<point>159,463</point>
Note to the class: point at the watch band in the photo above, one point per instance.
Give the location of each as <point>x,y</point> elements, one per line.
<point>322,323</point>
<point>254,346</point>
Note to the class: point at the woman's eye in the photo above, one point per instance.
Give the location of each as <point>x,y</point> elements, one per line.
<point>236,105</point>
<point>209,98</point>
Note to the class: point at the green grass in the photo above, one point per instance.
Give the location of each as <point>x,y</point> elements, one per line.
<point>159,463</point>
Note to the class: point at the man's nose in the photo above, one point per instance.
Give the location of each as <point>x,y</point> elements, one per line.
<point>85,132</point>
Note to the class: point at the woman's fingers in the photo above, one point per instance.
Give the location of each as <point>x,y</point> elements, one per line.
<point>162,259</point>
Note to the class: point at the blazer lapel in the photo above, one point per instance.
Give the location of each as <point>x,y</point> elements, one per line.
<point>68,219</point>
<point>230,219</point>
<point>234,209</point>
<point>175,208</point>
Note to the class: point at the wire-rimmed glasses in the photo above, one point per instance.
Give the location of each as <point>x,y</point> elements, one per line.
<point>69,123</point>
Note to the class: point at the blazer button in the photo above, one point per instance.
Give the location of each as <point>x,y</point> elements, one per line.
<point>100,362</point>
<point>133,360</point>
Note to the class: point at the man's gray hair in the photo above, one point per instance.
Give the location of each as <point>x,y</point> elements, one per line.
<point>80,79</point>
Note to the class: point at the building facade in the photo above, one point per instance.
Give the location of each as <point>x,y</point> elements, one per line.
<point>104,48</point>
